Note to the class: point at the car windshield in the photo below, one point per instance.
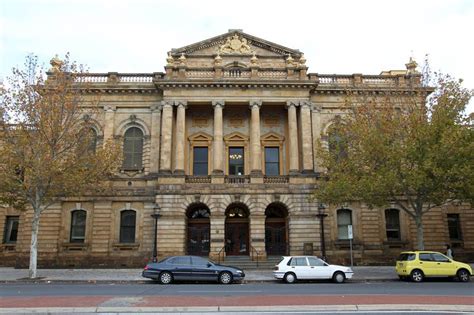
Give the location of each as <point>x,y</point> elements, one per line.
<point>406,257</point>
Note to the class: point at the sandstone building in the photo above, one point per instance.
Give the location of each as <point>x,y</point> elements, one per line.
<point>224,143</point>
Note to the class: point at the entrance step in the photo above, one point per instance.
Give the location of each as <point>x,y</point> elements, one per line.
<point>246,263</point>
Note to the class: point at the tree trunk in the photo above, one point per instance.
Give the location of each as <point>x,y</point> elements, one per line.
<point>420,244</point>
<point>34,243</point>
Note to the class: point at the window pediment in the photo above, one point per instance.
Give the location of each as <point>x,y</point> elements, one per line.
<point>272,137</point>
<point>236,137</point>
<point>200,137</point>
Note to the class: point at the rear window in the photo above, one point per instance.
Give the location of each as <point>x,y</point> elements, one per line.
<point>406,257</point>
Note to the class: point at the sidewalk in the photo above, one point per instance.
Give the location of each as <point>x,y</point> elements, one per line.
<point>372,273</point>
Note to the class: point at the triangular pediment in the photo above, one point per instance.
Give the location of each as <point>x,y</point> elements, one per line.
<point>271,136</point>
<point>235,42</point>
<point>200,136</point>
<point>235,136</point>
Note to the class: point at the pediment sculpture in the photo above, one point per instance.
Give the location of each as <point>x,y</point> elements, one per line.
<point>235,45</point>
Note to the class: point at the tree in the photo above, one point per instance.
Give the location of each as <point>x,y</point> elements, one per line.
<point>413,151</point>
<point>45,142</point>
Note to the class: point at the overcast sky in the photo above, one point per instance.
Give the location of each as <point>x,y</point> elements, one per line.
<point>342,37</point>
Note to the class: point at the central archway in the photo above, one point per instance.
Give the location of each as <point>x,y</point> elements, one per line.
<point>237,230</point>
<point>198,238</point>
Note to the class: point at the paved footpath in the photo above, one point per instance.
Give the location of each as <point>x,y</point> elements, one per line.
<point>378,273</point>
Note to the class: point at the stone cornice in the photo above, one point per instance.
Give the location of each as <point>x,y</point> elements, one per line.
<point>234,84</point>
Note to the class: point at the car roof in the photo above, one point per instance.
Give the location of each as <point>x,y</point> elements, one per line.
<point>420,251</point>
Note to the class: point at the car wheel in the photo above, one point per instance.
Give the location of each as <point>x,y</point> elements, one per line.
<point>417,275</point>
<point>166,277</point>
<point>463,275</point>
<point>338,277</point>
<point>225,277</point>
<point>290,277</point>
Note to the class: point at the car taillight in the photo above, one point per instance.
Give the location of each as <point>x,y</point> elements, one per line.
<point>146,267</point>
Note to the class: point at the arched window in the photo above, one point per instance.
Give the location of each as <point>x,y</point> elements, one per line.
<point>92,141</point>
<point>133,149</point>
<point>392,224</point>
<point>127,226</point>
<point>78,226</point>
<point>337,145</point>
<point>344,219</point>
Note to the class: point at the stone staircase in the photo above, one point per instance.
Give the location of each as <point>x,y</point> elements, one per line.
<point>246,263</point>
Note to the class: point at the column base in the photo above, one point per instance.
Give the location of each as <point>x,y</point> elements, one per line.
<point>256,173</point>
<point>178,172</point>
<point>294,172</point>
<point>165,172</point>
<point>217,172</point>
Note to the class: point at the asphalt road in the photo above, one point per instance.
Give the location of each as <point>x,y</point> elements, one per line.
<point>432,288</point>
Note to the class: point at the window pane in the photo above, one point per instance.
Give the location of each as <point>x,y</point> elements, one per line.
<point>344,218</point>
<point>272,154</point>
<point>425,257</point>
<point>454,227</point>
<point>315,261</point>
<point>127,226</point>
<point>392,224</point>
<point>133,149</point>
<point>236,161</point>
<point>11,229</point>
<point>78,226</point>
<point>200,164</point>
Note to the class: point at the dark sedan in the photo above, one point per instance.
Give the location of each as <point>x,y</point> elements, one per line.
<point>191,268</point>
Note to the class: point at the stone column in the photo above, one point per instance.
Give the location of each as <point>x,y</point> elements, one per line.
<point>293,137</point>
<point>166,136</point>
<point>255,147</point>
<point>180,137</point>
<point>306,138</point>
<point>257,236</point>
<point>109,122</point>
<point>155,137</point>
<point>218,147</point>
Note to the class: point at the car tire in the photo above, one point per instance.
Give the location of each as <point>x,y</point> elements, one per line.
<point>225,277</point>
<point>166,277</point>
<point>290,277</point>
<point>338,277</point>
<point>417,275</point>
<point>463,275</point>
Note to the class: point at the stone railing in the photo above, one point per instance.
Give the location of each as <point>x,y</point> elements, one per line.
<point>198,74</point>
<point>235,179</point>
<point>358,80</point>
<point>272,74</point>
<point>237,73</point>
<point>198,179</point>
<point>113,77</point>
<point>276,179</point>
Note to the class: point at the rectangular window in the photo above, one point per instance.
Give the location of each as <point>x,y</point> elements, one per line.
<point>344,219</point>
<point>236,161</point>
<point>272,161</point>
<point>11,229</point>
<point>200,163</point>
<point>454,227</point>
<point>392,224</point>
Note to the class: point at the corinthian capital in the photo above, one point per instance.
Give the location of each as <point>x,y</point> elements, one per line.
<point>181,103</point>
<point>306,103</point>
<point>255,103</point>
<point>220,103</point>
<point>290,103</point>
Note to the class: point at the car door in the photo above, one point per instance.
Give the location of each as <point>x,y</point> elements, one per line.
<point>203,269</point>
<point>318,269</point>
<point>444,266</point>
<point>299,265</point>
<point>426,264</point>
<point>181,268</point>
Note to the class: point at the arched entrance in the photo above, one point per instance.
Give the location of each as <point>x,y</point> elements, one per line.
<point>198,242</point>
<point>237,230</point>
<point>275,229</point>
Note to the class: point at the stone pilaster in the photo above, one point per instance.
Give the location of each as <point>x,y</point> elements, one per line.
<point>257,236</point>
<point>155,138</point>
<point>109,122</point>
<point>306,137</point>
<point>166,136</point>
<point>317,130</point>
<point>293,137</point>
<point>255,146</point>
<point>180,136</point>
<point>218,149</point>
<point>217,236</point>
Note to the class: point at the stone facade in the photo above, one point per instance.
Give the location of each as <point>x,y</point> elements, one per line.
<point>245,111</point>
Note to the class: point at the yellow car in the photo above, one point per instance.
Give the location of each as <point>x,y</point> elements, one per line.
<point>417,265</point>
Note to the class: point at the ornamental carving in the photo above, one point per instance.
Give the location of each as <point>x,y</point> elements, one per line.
<point>235,45</point>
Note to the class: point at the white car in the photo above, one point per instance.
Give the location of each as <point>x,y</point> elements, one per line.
<point>292,268</point>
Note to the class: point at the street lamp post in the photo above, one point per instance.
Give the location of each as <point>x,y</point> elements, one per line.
<point>156,215</point>
<point>321,215</point>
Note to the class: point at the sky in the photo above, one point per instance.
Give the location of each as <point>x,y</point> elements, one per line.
<point>337,37</point>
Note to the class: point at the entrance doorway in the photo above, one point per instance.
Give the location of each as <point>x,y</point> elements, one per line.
<point>237,230</point>
<point>198,236</point>
<point>275,229</point>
